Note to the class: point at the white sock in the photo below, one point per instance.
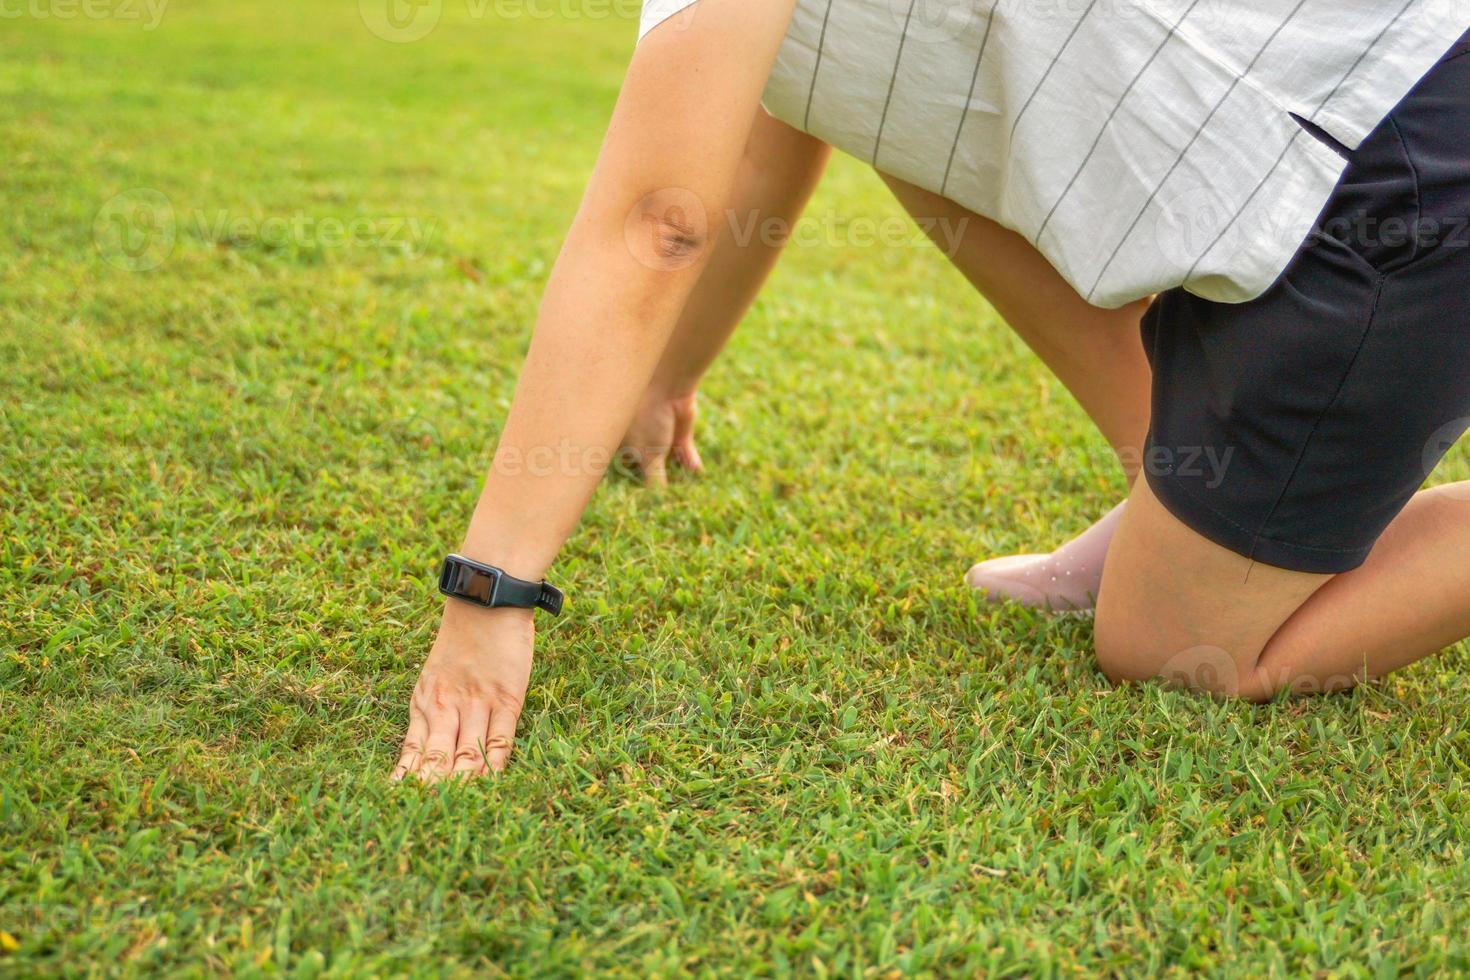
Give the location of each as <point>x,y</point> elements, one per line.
<point>1066,580</point>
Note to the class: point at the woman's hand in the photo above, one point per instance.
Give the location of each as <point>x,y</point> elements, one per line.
<point>462,718</point>
<point>663,430</point>
<point>673,149</point>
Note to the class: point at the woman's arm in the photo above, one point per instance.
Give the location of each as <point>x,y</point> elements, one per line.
<point>638,242</point>
<point>780,169</point>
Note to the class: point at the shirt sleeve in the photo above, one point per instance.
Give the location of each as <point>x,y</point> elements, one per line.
<point>655,12</point>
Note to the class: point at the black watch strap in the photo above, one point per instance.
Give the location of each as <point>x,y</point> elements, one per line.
<point>485,585</point>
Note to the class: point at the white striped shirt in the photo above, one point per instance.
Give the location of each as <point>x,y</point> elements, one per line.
<point>1139,144</point>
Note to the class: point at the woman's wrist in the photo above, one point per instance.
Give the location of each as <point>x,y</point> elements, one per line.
<point>671,389</point>
<point>467,616</point>
<point>517,558</point>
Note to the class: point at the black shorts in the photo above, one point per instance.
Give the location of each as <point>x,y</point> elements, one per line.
<point>1294,428</point>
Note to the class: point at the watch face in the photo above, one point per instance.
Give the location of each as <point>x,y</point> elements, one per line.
<point>468,582</point>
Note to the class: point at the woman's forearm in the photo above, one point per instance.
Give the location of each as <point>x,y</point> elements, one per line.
<point>639,241</point>
<point>602,327</point>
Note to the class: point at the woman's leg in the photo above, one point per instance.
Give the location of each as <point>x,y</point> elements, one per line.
<point>1307,562</point>
<point>1098,354</point>
<point>778,174</point>
<point>1182,609</point>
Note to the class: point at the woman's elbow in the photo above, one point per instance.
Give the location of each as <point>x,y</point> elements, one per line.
<point>670,230</point>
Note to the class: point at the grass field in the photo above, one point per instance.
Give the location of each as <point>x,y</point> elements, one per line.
<point>265,280</point>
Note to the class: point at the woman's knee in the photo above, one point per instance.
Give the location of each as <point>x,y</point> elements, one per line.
<point>1120,654</point>
<point>1131,652</point>
<point>1178,608</point>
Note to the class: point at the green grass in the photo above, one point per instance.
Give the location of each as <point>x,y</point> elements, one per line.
<point>772,736</point>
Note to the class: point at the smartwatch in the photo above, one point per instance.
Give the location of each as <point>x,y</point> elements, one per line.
<point>485,585</point>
